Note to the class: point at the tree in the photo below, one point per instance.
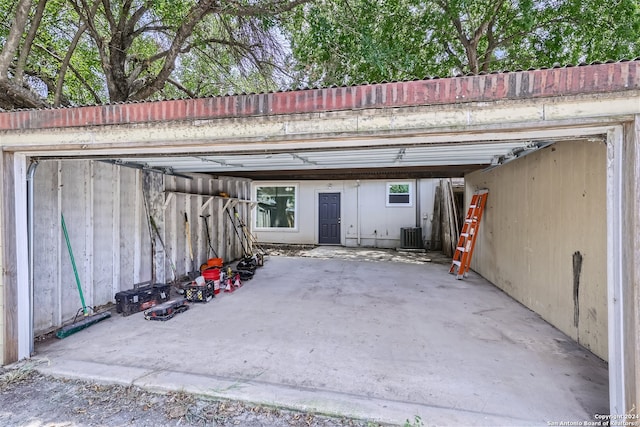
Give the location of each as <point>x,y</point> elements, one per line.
<point>65,52</point>
<point>33,67</point>
<point>356,41</point>
<point>10,92</point>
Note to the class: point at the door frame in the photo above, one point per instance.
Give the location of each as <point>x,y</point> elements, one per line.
<point>317,215</point>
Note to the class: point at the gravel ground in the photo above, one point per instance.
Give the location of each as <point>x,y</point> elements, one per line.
<point>30,399</point>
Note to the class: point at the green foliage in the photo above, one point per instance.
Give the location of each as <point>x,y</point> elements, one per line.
<point>140,49</point>
<point>223,68</point>
<point>417,422</point>
<point>399,189</point>
<point>355,41</point>
<point>237,47</point>
<point>172,12</point>
<point>339,42</point>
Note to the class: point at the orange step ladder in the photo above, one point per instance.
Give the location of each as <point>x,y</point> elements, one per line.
<point>467,240</point>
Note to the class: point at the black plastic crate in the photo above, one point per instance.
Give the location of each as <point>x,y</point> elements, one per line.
<point>199,293</point>
<point>141,298</point>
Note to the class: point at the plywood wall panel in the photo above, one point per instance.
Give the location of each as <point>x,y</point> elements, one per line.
<point>542,211</point>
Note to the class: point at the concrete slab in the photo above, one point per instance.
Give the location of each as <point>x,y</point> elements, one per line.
<point>379,340</point>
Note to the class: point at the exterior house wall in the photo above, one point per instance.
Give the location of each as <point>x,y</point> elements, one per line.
<point>366,220</point>
<point>541,210</point>
<point>426,199</point>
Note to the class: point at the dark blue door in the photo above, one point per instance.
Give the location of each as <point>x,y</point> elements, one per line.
<point>329,218</point>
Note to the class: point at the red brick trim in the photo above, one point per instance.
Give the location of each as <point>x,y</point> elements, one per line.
<point>596,78</point>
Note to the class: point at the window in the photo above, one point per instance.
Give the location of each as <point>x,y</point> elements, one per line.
<point>399,194</point>
<point>276,206</point>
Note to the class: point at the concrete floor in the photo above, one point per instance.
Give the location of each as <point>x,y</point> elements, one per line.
<point>382,340</point>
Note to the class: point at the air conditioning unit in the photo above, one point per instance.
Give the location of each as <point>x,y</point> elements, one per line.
<point>411,238</point>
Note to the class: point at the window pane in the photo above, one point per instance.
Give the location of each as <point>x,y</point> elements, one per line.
<point>276,206</point>
<point>399,198</point>
<point>399,189</point>
<point>399,194</point>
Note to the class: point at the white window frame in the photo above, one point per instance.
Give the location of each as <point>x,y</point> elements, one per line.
<point>295,206</point>
<point>390,204</point>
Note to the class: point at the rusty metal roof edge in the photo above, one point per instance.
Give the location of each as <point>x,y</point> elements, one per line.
<point>306,88</point>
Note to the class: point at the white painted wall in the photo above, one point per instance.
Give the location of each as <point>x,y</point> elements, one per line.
<point>106,218</point>
<point>426,194</point>
<point>366,220</point>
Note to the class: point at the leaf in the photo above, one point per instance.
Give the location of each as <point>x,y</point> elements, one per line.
<point>356,41</point>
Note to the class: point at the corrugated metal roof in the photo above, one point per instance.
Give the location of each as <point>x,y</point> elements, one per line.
<point>306,87</point>
<point>396,157</point>
<point>535,84</point>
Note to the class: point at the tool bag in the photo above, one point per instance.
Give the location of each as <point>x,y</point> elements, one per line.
<point>167,310</point>
<point>249,264</point>
<point>245,274</point>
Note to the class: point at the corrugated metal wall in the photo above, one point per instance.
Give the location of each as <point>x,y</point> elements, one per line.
<point>106,209</point>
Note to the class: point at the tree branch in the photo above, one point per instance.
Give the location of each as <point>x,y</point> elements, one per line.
<point>181,88</point>
<point>230,43</point>
<point>13,38</point>
<point>87,18</point>
<point>83,12</point>
<point>275,8</point>
<point>150,29</point>
<point>31,35</point>
<point>455,20</point>
<point>135,18</point>
<point>67,61</point>
<point>73,69</point>
<point>506,42</point>
<point>106,4</point>
<point>477,34</point>
<point>65,64</point>
<point>195,15</point>
<point>20,97</point>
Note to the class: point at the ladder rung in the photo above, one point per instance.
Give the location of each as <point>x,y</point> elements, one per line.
<point>460,248</point>
<point>464,234</point>
<point>458,263</point>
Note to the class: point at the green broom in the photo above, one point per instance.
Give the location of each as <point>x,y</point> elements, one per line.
<point>88,320</point>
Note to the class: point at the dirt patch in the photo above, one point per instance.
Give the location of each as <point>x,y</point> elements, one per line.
<point>28,398</point>
<point>285,250</point>
<point>358,253</point>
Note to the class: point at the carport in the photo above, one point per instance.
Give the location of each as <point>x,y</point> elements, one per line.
<point>442,127</point>
<point>333,332</point>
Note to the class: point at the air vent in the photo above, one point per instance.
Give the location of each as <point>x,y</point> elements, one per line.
<point>411,238</point>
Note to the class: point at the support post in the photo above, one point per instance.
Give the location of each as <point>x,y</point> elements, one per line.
<point>623,271</point>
